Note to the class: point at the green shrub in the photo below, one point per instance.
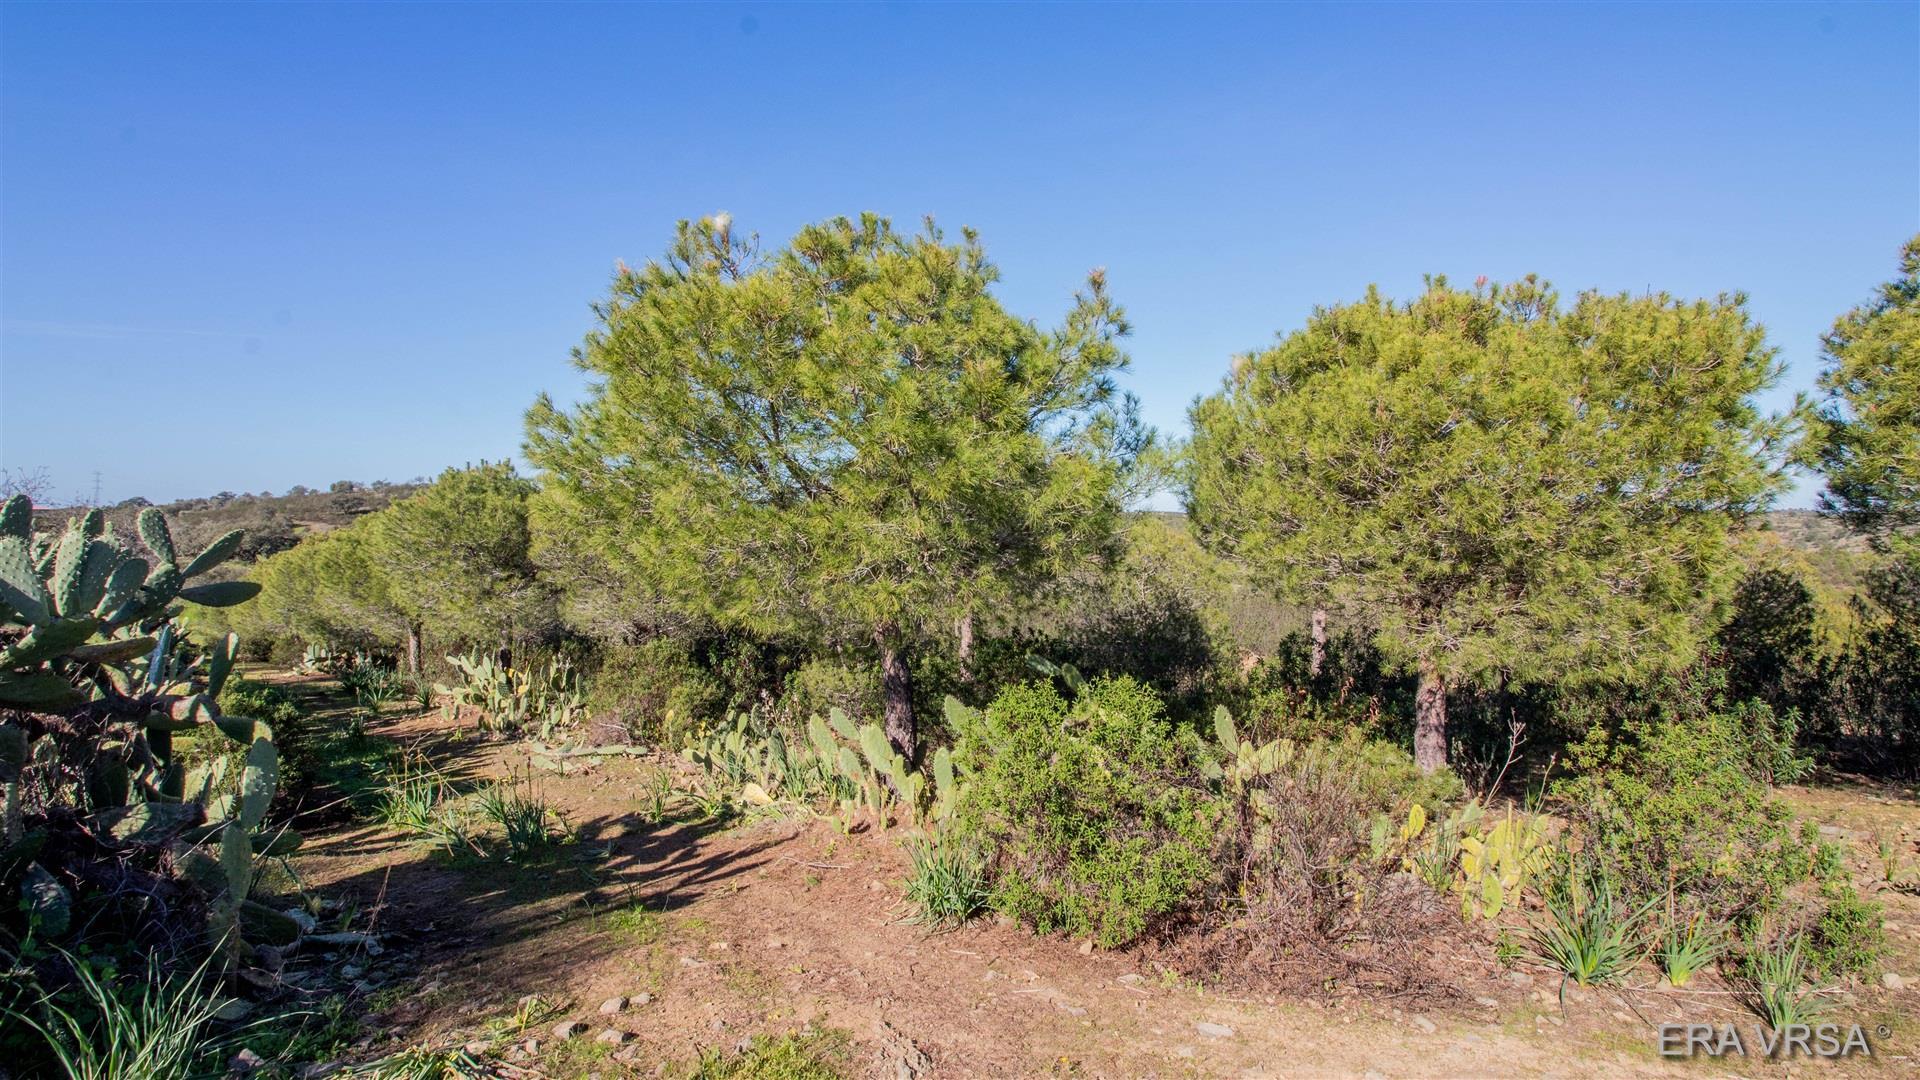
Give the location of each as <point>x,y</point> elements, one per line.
<point>657,690</point>
<point>818,687</point>
<point>1091,812</point>
<point>1667,801</point>
<point>1847,937</point>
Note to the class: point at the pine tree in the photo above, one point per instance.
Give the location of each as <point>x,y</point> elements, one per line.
<point>848,437</point>
<point>1494,484</point>
<point>1867,438</point>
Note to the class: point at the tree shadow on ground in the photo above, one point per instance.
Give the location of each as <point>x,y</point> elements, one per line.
<point>435,901</point>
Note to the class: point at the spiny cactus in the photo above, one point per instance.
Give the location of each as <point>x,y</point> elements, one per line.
<point>850,767</point>
<point>102,683</point>
<point>1487,867</point>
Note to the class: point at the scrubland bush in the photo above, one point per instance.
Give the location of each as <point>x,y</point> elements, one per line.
<point>1670,799</point>
<point>1303,897</point>
<point>818,687</point>
<point>1352,690</point>
<point>1092,810</point>
<point>655,689</point>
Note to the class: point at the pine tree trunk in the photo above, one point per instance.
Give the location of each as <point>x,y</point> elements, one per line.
<point>413,650</point>
<point>1430,719</point>
<point>1318,658</point>
<point>966,647</point>
<point>896,690</point>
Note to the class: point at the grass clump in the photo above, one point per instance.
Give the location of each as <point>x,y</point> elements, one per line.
<point>1688,948</point>
<point>801,1055</point>
<point>638,922</point>
<point>947,882</point>
<point>522,815</point>
<point>155,1027</point>
<point>419,800</point>
<point>1777,984</point>
<point>1590,935</point>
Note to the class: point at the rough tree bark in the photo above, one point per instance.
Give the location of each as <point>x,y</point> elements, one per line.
<point>1430,719</point>
<point>413,650</point>
<point>896,690</point>
<point>1319,632</point>
<point>966,646</point>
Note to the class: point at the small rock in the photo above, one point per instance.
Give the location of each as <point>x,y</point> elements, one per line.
<point>1892,981</point>
<point>1491,1003</point>
<point>638,1000</point>
<point>1132,978</point>
<point>567,1029</point>
<point>477,1048</point>
<point>718,1024</point>
<point>720,946</point>
<point>612,1005</point>
<point>1622,1017</point>
<point>1556,1021</point>
<point>1183,1051</point>
<point>613,1037</point>
<point>531,1047</point>
<point>1213,1031</point>
<point>1424,1024</point>
<point>1519,978</point>
<point>1086,947</point>
<point>245,1061</point>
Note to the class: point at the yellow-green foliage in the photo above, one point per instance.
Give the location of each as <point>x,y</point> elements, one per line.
<point>1486,865</point>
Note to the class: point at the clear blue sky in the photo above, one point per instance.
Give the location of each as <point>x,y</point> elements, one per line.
<point>249,246</point>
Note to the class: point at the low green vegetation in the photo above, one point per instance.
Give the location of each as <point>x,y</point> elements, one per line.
<point>810,1055</point>
<point>1092,811</point>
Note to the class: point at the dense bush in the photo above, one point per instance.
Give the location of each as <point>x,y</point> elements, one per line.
<point>1767,644</point>
<point>1353,690</point>
<point>818,687</point>
<point>1847,936</point>
<point>1671,800</point>
<point>1091,810</point>
<point>657,690</point>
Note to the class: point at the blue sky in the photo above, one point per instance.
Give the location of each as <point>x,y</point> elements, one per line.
<point>249,246</point>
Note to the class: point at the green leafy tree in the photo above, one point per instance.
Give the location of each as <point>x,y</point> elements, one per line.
<point>1495,484</point>
<point>456,556</point>
<point>1867,438</point>
<point>848,437</point>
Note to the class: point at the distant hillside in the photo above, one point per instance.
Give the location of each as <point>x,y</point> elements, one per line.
<point>277,522</point>
<point>273,522</point>
<point>1835,556</point>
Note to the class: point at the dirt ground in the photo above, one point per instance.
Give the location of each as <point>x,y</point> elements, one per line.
<point>781,924</point>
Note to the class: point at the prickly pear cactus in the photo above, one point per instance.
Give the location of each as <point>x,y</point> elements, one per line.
<point>101,684</point>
